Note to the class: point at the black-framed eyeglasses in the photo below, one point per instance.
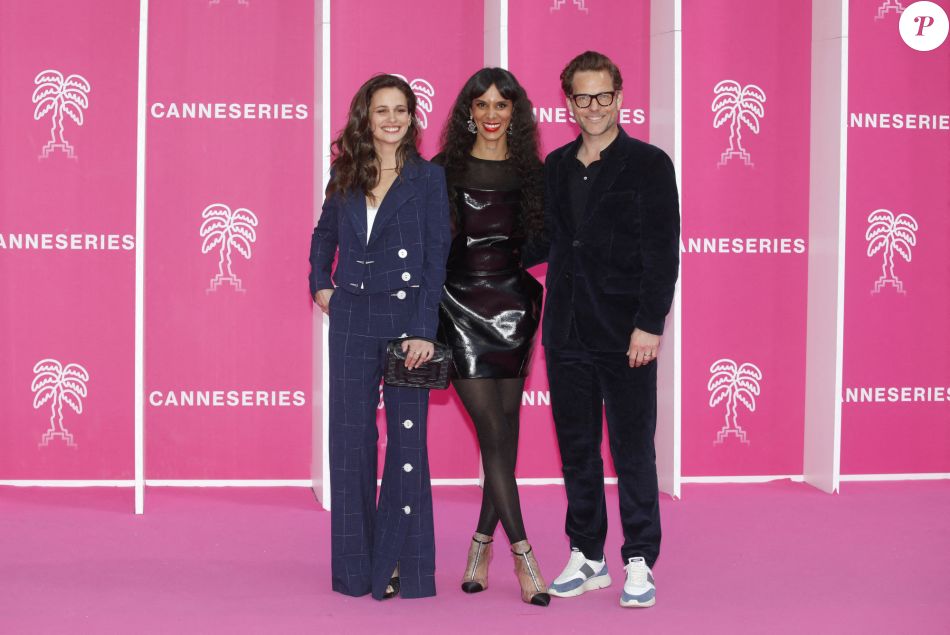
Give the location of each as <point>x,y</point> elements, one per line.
<point>582,100</point>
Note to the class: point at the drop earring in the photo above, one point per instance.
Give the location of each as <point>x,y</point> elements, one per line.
<point>471,125</point>
<point>511,129</point>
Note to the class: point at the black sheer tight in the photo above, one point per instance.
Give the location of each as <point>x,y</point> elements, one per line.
<point>493,405</point>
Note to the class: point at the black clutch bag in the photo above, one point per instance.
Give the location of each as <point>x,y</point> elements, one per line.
<point>433,374</point>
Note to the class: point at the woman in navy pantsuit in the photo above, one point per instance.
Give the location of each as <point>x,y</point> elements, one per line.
<point>386,219</point>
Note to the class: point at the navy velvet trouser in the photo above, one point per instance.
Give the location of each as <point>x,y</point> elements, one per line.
<point>582,384</point>
<point>369,538</point>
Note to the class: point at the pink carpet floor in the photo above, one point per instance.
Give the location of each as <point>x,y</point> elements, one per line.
<point>764,559</point>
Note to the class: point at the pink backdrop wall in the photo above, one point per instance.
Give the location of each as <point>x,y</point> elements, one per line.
<point>896,365</point>
<point>543,37</point>
<point>245,339</point>
<point>231,121</point>
<point>438,47</point>
<point>745,226</point>
<point>67,225</point>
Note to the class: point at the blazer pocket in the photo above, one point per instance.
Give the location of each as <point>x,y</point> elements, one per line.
<point>621,285</point>
<point>626,196</point>
<point>623,202</point>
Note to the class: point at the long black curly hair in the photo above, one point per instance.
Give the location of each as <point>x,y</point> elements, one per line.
<point>355,164</point>
<point>457,142</point>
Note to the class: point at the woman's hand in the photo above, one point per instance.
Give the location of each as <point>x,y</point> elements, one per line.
<point>418,352</point>
<point>322,298</point>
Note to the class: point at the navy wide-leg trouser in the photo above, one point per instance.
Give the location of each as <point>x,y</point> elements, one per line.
<point>582,383</point>
<point>369,538</point>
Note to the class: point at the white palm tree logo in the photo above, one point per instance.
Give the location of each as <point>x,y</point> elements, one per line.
<point>558,4</point>
<point>227,230</point>
<point>738,105</point>
<point>424,93</point>
<point>64,97</point>
<point>59,385</point>
<point>887,7</point>
<point>888,234</point>
<point>733,384</point>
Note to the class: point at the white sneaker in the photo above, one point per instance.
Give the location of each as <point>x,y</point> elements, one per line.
<point>579,576</point>
<point>639,590</point>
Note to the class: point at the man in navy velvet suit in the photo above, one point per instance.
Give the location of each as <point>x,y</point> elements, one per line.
<point>612,217</point>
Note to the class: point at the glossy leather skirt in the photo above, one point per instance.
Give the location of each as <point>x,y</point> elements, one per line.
<point>489,320</point>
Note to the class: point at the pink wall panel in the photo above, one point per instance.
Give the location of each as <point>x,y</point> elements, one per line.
<point>433,44</point>
<point>438,46</point>
<point>620,29</point>
<point>745,227</point>
<point>545,35</point>
<point>896,365</point>
<point>230,130</point>
<point>67,224</point>
<point>230,142</point>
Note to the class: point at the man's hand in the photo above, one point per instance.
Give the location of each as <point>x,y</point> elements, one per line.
<point>643,348</point>
<point>322,298</point>
<point>418,352</point>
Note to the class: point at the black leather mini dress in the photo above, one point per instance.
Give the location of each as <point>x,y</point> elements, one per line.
<point>491,306</point>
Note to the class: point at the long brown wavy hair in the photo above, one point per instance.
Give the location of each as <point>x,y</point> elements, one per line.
<point>457,142</point>
<point>354,164</point>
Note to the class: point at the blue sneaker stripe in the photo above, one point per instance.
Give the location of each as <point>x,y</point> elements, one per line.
<point>576,582</point>
<point>570,585</point>
<point>649,595</point>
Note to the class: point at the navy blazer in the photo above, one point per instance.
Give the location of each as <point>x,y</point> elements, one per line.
<point>617,269</point>
<point>408,246</point>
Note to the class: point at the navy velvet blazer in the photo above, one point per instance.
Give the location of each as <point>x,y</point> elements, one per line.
<point>617,269</point>
<point>408,246</point>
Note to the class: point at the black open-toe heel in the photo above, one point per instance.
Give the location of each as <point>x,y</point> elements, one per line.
<point>392,589</point>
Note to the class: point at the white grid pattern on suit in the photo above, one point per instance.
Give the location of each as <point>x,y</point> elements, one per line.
<point>362,325</point>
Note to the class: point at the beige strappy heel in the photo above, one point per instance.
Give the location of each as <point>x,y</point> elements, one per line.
<point>534,590</point>
<point>476,569</point>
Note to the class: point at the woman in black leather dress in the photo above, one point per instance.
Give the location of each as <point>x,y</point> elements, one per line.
<point>491,306</point>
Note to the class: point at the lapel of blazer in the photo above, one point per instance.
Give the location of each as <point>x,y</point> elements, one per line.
<point>355,205</point>
<point>613,165</point>
<point>564,168</point>
<point>399,192</point>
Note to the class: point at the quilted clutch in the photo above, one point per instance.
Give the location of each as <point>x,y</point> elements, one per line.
<point>433,374</point>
